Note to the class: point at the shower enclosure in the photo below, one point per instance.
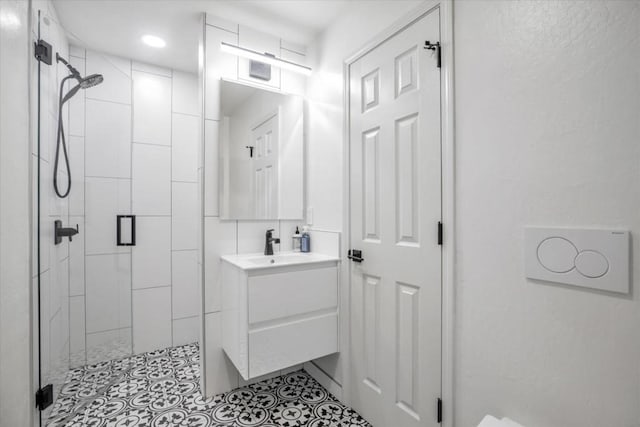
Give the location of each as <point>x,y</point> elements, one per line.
<point>115,231</point>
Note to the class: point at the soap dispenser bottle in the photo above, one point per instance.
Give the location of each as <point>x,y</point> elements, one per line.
<point>297,241</point>
<point>305,240</point>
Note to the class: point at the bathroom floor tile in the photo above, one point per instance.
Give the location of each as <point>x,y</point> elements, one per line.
<point>161,389</point>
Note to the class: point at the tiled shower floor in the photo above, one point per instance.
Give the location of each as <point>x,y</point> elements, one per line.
<point>160,389</point>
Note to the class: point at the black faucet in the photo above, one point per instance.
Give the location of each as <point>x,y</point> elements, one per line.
<point>269,241</point>
<point>61,232</point>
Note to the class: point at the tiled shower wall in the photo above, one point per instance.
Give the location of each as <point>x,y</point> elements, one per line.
<point>133,150</point>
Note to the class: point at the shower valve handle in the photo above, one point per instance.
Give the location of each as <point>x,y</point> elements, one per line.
<point>61,232</point>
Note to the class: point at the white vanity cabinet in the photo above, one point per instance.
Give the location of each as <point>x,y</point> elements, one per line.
<point>278,311</point>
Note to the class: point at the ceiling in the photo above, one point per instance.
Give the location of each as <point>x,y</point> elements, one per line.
<point>116,26</point>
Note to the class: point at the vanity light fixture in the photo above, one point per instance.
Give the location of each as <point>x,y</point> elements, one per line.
<point>265,58</point>
<point>153,41</point>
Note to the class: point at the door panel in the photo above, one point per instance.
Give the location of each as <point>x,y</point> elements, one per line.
<point>395,205</point>
<point>265,139</point>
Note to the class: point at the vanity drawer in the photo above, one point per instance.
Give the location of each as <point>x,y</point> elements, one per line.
<point>288,344</point>
<point>293,293</point>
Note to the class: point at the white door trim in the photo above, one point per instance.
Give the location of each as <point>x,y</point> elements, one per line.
<point>448,196</point>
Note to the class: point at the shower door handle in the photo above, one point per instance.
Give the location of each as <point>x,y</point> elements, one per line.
<point>126,223</point>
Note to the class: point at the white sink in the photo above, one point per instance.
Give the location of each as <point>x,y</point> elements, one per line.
<point>281,259</point>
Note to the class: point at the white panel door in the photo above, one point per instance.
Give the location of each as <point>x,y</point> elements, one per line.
<point>264,139</point>
<point>395,185</point>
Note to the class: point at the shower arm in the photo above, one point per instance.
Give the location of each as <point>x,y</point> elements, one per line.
<point>72,69</point>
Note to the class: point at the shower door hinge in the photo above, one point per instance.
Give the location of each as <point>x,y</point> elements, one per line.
<point>436,48</point>
<point>44,397</point>
<point>439,410</point>
<point>43,52</point>
<point>440,233</point>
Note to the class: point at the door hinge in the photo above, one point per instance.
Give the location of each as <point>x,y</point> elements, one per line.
<point>439,404</point>
<point>436,48</point>
<point>44,397</point>
<point>43,52</point>
<point>440,233</point>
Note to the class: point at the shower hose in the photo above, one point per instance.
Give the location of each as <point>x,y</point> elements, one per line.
<point>61,142</point>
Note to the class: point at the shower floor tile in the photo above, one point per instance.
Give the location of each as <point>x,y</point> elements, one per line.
<point>161,389</point>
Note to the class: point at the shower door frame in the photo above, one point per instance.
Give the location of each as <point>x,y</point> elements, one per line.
<point>448,197</point>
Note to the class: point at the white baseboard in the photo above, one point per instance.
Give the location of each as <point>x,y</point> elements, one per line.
<point>325,380</point>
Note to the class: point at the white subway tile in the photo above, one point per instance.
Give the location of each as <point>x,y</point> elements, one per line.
<point>151,180</point>
<point>151,319</point>
<point>221,23</point>
<point>186,331</point>
<point>76,258</point>
<point>77,331</point>
<point>186,289</point>
<point>252,235</point>
<point>151,257</point>
<point>116,71</point>
<point>76,104</point>
<point>185,93</point>
<point>218,64</point>
<point>108,292</point>
<point>108,139</point>
<point>325,242</point>
<point>211,169</point>
<point>219,239</point>
<point>185,215</point>
<point>151,108</point>
<point>184,152</point>
<point>76,51</point>
<point>76,160</point>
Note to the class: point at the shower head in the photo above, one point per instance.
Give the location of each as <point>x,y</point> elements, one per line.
<point>90,81</point>
<point>83,82</point>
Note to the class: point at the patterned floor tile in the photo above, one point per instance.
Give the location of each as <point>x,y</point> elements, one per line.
<point>161,389</point>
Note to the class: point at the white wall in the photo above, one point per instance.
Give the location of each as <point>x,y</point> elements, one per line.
<point>16,398</point>
<point>134,150</point>
<point>547,133</point>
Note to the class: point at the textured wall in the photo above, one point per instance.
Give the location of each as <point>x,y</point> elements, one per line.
<point>548,133</point>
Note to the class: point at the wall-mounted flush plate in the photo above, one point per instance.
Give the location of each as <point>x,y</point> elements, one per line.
<point>597,259</point>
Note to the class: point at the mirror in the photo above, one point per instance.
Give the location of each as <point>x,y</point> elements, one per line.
<point>261,153</point>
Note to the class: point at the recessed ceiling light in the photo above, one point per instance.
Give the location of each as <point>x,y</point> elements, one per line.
<point>153,41</point>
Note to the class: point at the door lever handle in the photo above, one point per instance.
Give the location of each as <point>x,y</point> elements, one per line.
<point>355,255</point>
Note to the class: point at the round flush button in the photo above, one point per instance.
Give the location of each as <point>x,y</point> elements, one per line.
<point>592,264</point>
<point>557,254</point>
